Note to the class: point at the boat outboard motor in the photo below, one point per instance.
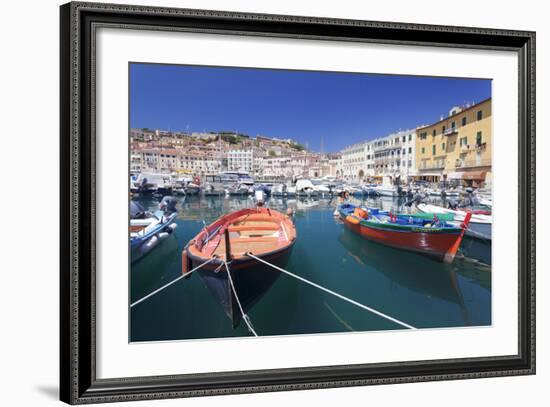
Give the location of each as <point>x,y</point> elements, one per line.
<point>137,211</point>
<point>168,204</point>
<point>452,204</point>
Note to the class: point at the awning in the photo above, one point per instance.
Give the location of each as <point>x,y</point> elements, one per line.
<point>454,175</point>
<point>474,175</point>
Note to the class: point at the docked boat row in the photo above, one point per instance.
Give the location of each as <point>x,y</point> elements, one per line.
<point>234,183</point>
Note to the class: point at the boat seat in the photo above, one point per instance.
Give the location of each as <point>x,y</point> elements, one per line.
<point>257,216</point>
<point>246,239</point>
<point>271,227</point>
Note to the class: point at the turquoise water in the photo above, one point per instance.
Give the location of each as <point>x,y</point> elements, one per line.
<point>407,286</point>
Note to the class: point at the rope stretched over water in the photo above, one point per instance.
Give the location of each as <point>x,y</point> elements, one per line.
<point>334,293</point>
<point>172,282</point>
<point>245,317</point>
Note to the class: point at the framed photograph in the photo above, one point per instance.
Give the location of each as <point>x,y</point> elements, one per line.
<point>255,203</point>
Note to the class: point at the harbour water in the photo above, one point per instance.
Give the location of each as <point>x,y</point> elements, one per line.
<point>410,287</point>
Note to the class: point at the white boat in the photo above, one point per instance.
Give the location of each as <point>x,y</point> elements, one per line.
<point>192,189</point>
<point>290,190</point>
<point>213,186</point>
<point>283,190</point>
<point>232,177</point>
<point>238,189</point>
<point>386,190</point>
<point>480,225</point>
<point>321,187</point>
<point>278,190</point>
<point>151,182</point>
<point>305,187</point>
<point>148,230</point>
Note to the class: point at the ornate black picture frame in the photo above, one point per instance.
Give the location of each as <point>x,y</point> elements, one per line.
<point>78,381</point>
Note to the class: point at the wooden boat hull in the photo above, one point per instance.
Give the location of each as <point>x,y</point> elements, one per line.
<point>438,243</point>
<point>252,280</point>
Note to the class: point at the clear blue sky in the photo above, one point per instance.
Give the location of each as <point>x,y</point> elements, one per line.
<point>342,108</point>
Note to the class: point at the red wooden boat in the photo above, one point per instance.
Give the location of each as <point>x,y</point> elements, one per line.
<point>261,231</point>
<point>428,234</point>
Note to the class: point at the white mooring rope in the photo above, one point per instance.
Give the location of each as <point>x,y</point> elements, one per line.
<point>245,317</point>
<point>172,282</point>
<point>381,314</point>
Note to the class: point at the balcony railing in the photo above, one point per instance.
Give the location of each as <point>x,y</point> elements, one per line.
<point>450,131</point>
<point>486,162</point>
<point>432,166</point>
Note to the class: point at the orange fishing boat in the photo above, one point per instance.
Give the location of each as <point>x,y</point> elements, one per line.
<point>263,232</point>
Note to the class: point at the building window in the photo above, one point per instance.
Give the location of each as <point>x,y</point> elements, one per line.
<point>478,138</point>
<point>452,125</point>
<point>433,149</point>
<point>479,114</point>
<point>443,130</point>
<point>464,121</point>
<point>404,138</point>
<point>443,146</point>
<point>410,150</point>
<point>410,163</point>
<point>433,133</point>
<point>410,137</point>
<point>423,150</point>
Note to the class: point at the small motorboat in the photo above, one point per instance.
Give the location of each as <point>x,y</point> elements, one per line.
<point>429,234</point>
<point>386,190</point>
<point>480,224</point>
<point>305,187</point>
<point>192,189</point>
<point>148,229</point>
<point>238,190</point>
<point>209,189</point>
<point>261,231</point>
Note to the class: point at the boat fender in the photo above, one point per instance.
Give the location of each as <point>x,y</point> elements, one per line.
<point>352,219</point>
<point>163,235</point>
<point>360,213</point>
<point>171,227</point>
<point>149,245</point>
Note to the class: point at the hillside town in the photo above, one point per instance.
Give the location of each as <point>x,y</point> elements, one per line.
<point>456,147</point>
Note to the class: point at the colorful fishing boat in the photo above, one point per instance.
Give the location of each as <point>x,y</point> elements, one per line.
<point>263,232</point>
<point>429,234</point>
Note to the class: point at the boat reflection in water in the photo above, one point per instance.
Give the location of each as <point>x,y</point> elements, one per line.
<point>410,270</point>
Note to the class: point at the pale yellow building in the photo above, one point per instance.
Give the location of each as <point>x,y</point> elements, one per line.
<point>457,147</point>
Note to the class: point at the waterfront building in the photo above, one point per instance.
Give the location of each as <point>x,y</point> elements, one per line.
<point>357,161</point>
<point>394,156</point>
<point>163,160</point>
<point>240,160</point>
<point>457,147</point>
<point>276,167</point>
